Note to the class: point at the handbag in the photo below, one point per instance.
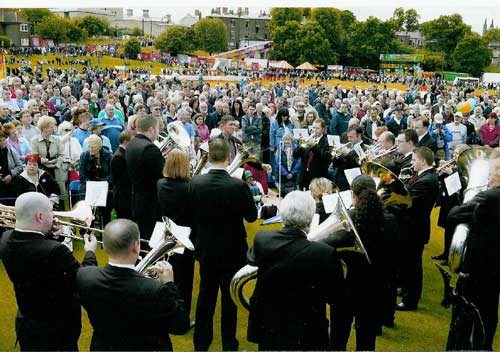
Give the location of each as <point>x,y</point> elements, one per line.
<point>268,211</point>
<point>73,175</point>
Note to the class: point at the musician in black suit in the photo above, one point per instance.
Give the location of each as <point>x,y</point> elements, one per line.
<point>43,273</point>
<point>219,205</point>
<point>407,141</point>
<point>173,200</point>
<point>421,126</point>
<point>128,311</point>
<point>121,181</point>
<point>144,166</point>
<point>482,259</point>
<point>424,189</point>
<point>287,309</point>
<point>315,156</point>
<point>348,158</point>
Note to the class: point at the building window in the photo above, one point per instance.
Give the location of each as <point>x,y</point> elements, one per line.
<point>233,35</point>
<point>247,23</point>
<point>25,42</point>
<point>265,36</point>
<point>257,29</point>
<point>24,27</point>
<point>233,23</point>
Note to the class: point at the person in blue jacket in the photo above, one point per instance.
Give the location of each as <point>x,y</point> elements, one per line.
<point>440,133</point>
<point>279,127</point>
<point>288,165</point>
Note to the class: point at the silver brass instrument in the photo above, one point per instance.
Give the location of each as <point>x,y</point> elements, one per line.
<point>242,157</point>
<point>177,138</point>
<point>382,153</point>
<point>203,159</point>
<point>164,248</point>
<point>335,151</point>
<point>391,190</point>
<point>330,225</point>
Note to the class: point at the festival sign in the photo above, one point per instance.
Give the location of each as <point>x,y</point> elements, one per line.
<point>35,41</point>
<point>402,57</point>
<point>146,56</point>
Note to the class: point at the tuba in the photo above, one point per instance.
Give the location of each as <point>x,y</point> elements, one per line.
<point>331,224</point>
<point>177,138</point>
<point>391,190</point>
<point>242,157</point>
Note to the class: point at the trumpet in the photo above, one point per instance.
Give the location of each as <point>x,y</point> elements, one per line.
<point>335,151</point>
<point>304,143</point>
<point>384,153</point>
<point>444,165</point>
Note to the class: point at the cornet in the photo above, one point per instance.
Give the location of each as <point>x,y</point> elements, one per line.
<point>336,150</point>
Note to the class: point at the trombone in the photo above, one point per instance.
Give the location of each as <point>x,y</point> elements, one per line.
<point>444,165</point>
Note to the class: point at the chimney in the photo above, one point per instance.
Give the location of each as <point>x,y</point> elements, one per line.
<point>145,13</point>
<point>224,10</point>
<point>197,13</point>
<point>168,17</point>
<point>246,11</point>
<point>240,11</point>
<point>130,12</point>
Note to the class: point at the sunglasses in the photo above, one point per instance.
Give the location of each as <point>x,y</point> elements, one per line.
<point>67,130</point>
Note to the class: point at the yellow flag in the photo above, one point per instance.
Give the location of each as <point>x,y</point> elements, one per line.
<point>3,73</point>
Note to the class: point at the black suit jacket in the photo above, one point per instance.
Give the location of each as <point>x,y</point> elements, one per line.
<point>219,203</point>
<point>129,311</point>
<point>482,213</point>
<point>173,200</point>
<point>121,181</point>
<point>43,273</point>
<point>287,308</point>
<point>429,142</point>
<point>319,163</point>
<point>424,191</point>
<point>144,164</point>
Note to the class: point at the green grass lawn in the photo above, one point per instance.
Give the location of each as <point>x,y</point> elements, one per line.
<point>424,329</point>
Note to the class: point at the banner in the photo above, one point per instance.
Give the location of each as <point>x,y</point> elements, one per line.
<point>112,49</point>
<point>35,41</point>
<point>402,57</point>
<point>91,48</point>
<point>146,56</point>
<point>156,55</point>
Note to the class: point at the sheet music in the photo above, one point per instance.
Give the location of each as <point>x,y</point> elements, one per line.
<point>351,174</point>
<point>347,198</point>
<point>181,233</point>
<point>452,183</point>
<point>330,202</point>
<point>238,173</point>
<point>300,133</point>
<point>333,140</point>
<point>96,193</point>
<point>158,234</point>
<point>361,153</point>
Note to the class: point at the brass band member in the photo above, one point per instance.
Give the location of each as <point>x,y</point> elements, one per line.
<point>368,286</point>
<point>481,281</point>
<point>315,156</point>
<point>424,189</point>
<point>388,158</point>
<point>173,200</point>
<point>407,141</point>
<point>447,202</point>
<point>144,166</point>
<point>43,273</point>
<point>95,165</point>
<point>127,310</point>
<point>121,181</point>
<point>348,158</point>
<point>319,187</point>
<point>220,203</point>
<point>296,278</point>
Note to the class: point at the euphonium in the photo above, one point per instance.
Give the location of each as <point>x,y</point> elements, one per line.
<point>242,157</point>
<point>177,138</point>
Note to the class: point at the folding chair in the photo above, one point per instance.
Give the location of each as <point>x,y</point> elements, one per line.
<point>74,188</point>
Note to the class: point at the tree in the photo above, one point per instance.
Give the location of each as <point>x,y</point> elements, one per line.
<point>176,39</point>
<point>60,30</point>
<point>444,33</point>
<point>411,20</point>
<point>329,20</point>
<point>281,15</point>
<point>314,45</point>
<point>4,42</point>
<point>132,48</point>
<point>137,32</point>
<point>471,55</point>
<point>94,25</point>
<point>35,16</point>
<point>492,35</point>
<point>285,40</point>
<point>398,18</point>
<point>432,61</point>
<point>368,39</point>
<point>211,35</point>
<point>347,18</point>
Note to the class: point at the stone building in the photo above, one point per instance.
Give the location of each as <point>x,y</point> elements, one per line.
<point>15,27</point>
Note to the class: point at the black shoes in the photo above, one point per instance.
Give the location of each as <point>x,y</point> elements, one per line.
<point>406,307</point>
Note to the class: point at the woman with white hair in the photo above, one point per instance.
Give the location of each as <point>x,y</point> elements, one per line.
<point>296,279</point>
<point>71,149</point>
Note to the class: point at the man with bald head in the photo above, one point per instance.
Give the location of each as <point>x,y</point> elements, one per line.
<point>127,310</point>
<point>43,271</point>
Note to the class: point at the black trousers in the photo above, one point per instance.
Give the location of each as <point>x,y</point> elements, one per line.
<point>411,273</point>
<point>144,213</point>
<point>213,277</point>
<point>183,265</point>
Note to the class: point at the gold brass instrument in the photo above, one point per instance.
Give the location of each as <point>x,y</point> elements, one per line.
<point>445,164</point>
<point>177,138</point>
<point>79,217</point>
<point>391,190</point>
<point>242,157</point>
<point>164,248</point>
<point>203,159</point>
<point>381,153</point>
<point>304,143</point>
<point>331,224</point>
